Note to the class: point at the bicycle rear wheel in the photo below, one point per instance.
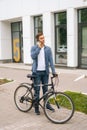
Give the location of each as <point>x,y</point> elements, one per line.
<point>63,106</point>
<point>23,98</point>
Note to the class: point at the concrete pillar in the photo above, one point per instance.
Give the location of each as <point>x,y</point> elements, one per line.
<point>27,38</point>
<point>72,43</point>
<point>48,30</point>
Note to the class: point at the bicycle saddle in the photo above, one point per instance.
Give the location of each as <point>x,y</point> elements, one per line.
<point>31,76</point>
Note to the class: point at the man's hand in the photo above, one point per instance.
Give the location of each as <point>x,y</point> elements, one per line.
<point>55,75</point>
<point>40,45</point>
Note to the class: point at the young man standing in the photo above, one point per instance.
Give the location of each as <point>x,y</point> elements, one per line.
<point>42,57</point>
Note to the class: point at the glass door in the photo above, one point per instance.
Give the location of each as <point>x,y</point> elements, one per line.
<point>84,46</point>
<point>17,42</point>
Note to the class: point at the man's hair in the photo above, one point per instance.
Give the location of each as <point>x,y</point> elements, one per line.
<point>38,35</point>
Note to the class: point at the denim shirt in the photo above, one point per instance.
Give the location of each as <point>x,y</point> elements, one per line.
<point>48,58</point>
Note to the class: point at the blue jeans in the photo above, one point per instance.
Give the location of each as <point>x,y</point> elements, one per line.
<point>41,77</point>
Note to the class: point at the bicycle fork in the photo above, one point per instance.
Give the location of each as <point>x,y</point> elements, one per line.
<point>56,101</point>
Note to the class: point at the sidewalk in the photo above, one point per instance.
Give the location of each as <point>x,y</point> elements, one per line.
<point>12,119</point>
<point>28,67</point>
<point>71,79</point>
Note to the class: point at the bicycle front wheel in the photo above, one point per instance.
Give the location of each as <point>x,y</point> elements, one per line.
<point>62,105</point>
<point>23,98</point>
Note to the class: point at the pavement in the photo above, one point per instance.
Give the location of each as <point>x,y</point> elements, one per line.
<point>13,119</point>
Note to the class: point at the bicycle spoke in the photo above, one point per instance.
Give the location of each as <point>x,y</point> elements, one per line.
<point>23,98</point>
<point>63,107</point>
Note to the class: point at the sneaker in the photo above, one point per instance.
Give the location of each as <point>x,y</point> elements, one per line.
<point>37,110</point>
<point>37,113</point>
<point>48,106</point>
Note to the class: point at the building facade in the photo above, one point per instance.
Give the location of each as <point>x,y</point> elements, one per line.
<point>63,22</point>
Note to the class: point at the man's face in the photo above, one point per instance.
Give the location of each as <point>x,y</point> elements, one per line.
<point>41,39</point>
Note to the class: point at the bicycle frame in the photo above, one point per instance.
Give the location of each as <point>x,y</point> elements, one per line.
<point>49,92</point>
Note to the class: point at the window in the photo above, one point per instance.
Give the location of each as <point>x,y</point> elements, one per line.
<point>38,25</point>
<point>83,16</point>
<point>82,38</point>
<point>60,38</point>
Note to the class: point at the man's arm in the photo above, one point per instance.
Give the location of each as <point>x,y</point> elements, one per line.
<point>34,52</point>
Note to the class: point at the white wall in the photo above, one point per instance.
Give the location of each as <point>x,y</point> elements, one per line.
<point>18,8</point>
<point>26,9</point>
<point>10,9</point>
<point>64,4</point>
<point>5,41</point>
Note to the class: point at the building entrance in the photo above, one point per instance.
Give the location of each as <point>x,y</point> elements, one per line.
<point>17,42</point>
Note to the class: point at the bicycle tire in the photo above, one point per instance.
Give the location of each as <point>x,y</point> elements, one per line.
<point>23,98</point>
<point>63,106</point>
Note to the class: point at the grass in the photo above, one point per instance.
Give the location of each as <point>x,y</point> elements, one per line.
<point>79,100</point>
<point>2,81</point>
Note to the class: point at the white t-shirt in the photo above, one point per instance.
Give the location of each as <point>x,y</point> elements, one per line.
<point>41,60</point>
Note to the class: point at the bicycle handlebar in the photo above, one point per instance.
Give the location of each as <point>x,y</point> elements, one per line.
<point>54,75</point>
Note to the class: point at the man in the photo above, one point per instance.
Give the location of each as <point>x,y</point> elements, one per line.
<point>42,57</point>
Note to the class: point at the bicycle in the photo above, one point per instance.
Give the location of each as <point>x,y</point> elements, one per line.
<point>62,103</point>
